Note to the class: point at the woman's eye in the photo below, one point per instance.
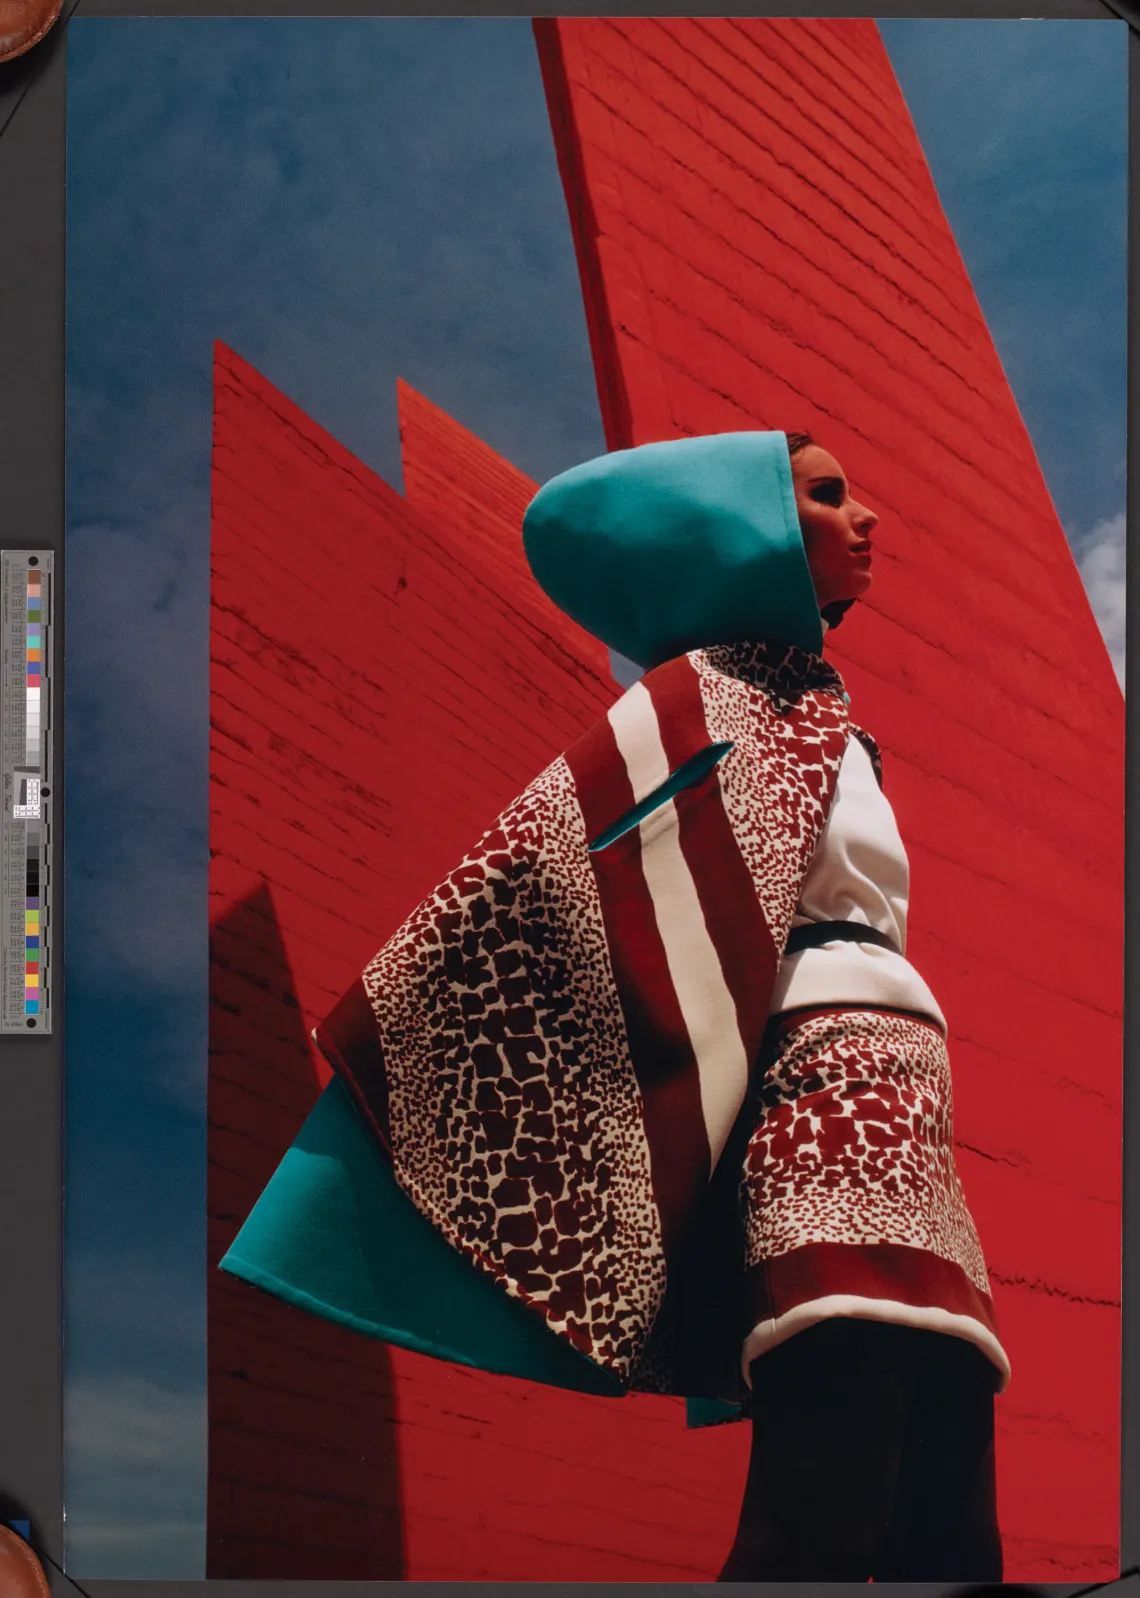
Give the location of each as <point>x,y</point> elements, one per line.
<point>828,494</point>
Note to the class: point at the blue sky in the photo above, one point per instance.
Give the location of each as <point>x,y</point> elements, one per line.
<point>1023,127</point>
<point>344,201</point>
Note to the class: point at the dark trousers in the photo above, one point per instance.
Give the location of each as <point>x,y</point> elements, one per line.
<point>872,1460</point>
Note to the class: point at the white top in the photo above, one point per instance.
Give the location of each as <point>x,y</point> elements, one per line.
<point>859,872</point>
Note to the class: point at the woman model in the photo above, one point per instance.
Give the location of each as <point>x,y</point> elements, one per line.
<point>646,1096</point>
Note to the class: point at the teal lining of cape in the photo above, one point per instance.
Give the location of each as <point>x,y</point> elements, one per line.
<point>334,1234</point>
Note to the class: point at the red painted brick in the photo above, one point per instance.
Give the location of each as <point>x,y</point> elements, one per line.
<point>762,245</point>
<point>477,500</point>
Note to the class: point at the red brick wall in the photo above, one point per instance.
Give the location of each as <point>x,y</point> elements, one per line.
<point>478,499</point>
<point>385,677</point>
<point>304,1475</point>
<point>761,244</point>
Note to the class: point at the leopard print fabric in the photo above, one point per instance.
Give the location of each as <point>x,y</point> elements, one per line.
<point>514,1110</point>
<point>798,744</point>
<point>854,1142</point>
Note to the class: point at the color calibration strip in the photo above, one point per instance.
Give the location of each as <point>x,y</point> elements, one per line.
<point>25,949</point>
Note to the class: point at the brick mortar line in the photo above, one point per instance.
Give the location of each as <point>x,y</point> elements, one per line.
<point>765,113</point>
<point>730,161</point>
<point>784,329</point>
<point>348,672</point>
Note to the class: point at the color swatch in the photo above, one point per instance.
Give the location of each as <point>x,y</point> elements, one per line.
<point>34,668</point>
<point>26,606</point>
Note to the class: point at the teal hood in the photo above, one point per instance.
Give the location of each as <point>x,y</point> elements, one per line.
<point>676,546</point>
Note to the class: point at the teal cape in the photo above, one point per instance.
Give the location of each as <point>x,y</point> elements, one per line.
<point>656,551</point>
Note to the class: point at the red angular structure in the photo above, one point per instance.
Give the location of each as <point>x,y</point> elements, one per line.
<point>760,244</point>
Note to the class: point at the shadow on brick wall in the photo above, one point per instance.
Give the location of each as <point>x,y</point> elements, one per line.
<point>304,1473</point>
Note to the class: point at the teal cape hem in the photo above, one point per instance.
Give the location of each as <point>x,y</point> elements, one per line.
<point>334,1234</point>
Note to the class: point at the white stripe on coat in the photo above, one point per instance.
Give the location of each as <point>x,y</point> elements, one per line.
<point>694,966</point>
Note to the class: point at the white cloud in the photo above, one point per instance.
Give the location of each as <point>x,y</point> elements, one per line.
<point>128,1421</point>
<point>1101,558</point>
<point>136,1479</point>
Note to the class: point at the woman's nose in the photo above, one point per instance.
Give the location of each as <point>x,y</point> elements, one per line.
<point>865,520</point>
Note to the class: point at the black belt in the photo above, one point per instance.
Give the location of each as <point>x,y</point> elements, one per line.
<point>817,932</point>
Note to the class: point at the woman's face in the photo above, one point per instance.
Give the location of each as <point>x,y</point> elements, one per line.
<point>836,528</point>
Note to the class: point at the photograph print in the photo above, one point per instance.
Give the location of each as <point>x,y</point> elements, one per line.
<point>595,769</point>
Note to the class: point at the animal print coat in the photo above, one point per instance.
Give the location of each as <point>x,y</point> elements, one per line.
<point>554,1049</point>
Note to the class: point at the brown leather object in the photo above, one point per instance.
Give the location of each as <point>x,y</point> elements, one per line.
<point>23,23</point>
<point>21,1574</point>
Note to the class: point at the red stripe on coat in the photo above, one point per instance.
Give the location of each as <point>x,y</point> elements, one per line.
<point>732,911</point>
<point>890,1271</point>
<point>603,787</point>
<point>663,1060</point>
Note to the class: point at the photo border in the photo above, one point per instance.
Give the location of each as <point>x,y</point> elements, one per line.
<point>32,121</point>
